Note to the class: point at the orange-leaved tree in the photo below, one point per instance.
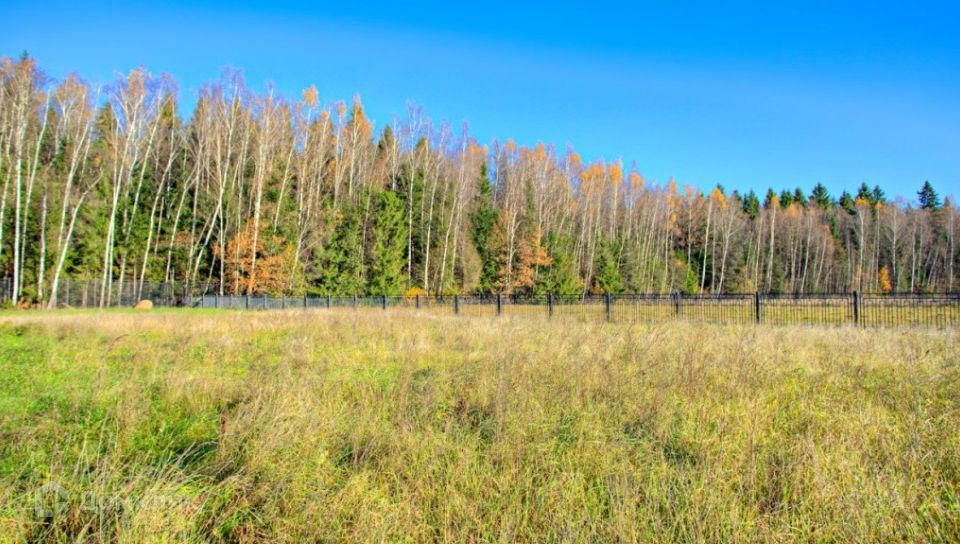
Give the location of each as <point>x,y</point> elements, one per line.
<point>276,268</point>
<point>531,256</point>
<point>883,280</point>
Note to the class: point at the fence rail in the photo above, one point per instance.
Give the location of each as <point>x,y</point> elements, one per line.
<point>854,309</point>
<point>865,310</point>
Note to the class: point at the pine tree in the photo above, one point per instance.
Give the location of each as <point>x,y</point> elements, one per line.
<point>928,197</point>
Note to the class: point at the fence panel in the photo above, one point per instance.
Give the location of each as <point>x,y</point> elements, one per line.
<point>807,309</point>
<point>862,310</point>
<point>910,310</point>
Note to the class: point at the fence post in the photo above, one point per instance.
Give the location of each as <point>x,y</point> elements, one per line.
<point>756,306</point>
<point>456,304</point>
<point>283,302</point>
<point>418,302</point>
<point>354,301</point>
<point>384,302</point>
<point>328,301</point>
<point>676,303</point>
<point>856,308</point>
<point>499,304</point>
<point>550,305</point>
<point>304,301</point>
<point>216,300</point>
<point>247,304</point>
<point>608,300</point>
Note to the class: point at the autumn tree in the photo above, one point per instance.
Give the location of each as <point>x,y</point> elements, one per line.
<point>123,188</point>
<point>275,269</point>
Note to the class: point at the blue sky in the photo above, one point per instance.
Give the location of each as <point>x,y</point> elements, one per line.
<point>749,95</point>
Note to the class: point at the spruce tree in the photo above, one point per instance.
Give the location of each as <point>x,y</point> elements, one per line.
<point>389,246</point>
<point>342,266</point>
<point>771,197</point>
<point>821,197</point>
<point>786,198</point>
<point>751,205</point>
<point>847,203</point>
<point>607,278</point>
<point>928,197</point>
<point>560,277</point>
<point>799,198</point>
<point>483,221</point>
<point>879,197</point>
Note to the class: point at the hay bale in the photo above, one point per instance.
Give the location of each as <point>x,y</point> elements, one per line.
<point>144,305</point>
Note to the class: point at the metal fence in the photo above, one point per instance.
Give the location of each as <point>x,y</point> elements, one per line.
<point>92,293</point>
<point>866,310</point>
<point>813,309</point>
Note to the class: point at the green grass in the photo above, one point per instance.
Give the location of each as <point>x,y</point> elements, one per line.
<point>318,426</point>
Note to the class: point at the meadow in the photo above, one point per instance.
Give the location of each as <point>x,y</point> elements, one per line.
<point>407,426</point>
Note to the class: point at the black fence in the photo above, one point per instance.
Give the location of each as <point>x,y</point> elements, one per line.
<point>812,309</point>
<point>866,310</point>
<point>93,294</point>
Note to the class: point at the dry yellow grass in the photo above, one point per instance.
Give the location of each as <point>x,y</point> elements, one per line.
<point>306,426</point>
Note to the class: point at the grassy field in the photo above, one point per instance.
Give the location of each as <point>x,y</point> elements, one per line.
<point>317,426</point>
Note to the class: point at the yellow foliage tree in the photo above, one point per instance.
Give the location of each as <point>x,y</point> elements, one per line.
<point>883,280</point>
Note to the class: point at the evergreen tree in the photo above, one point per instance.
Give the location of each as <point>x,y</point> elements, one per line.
<point>821,197</point>
<point>879,197</point>
<point>799,198</point>
<point>560,277</point>
<point>389,249</point>
<point>342,264</point>
<point>386,143</point>
<point>483,221</point>
<point>847,203</point>
<point>786,198</point>
<point>607,278</point>
<point>751,205</point>
<point>928,197</point>
<point>770,199</point>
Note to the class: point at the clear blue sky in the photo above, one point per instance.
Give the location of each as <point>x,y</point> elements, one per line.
<point>746,95</point>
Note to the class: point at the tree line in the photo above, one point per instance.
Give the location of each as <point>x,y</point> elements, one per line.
<point>251,193</point>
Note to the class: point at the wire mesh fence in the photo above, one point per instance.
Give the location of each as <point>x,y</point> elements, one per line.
<point>865,310</point>
<point>811,309</point>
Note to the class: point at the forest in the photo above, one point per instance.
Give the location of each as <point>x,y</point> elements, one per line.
<point>246,192</point>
